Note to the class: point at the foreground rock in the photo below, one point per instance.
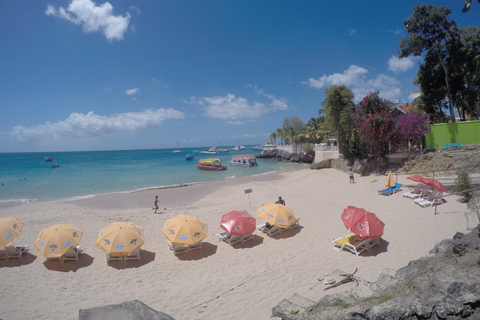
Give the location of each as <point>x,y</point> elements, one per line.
<point>130,310</point>
<point>280,155</point>
<point>443,286</point>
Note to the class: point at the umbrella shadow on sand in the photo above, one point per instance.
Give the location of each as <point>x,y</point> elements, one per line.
<point>146,256</point>
<point>249,244</point>
<point>207,250</point>
<point>84,260</point>
<point>27,258</point>
<point>376,250</point>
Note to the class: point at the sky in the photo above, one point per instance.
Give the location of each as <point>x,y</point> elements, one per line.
<point>85,75</point>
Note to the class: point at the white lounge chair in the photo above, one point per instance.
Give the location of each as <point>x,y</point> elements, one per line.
<point>72,254</point>
<point>135,255</point>
<point>228,238</point>
<point>176,249</point>
<point>423,193</point>
<point>436,200</point>
<point>247,237</point>
<point>3,254</point>
<point>114,257</point>
<point>16,251</point>
<point>295,225</point>
<point>432,195</point>
<point>195,246</point>
<point>270,230</point>
<point>351,243</point>
<point>412,192</point>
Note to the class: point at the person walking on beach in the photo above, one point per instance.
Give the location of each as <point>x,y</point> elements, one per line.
<point>155,204</point>
<point>350,174</point>
<point>280,201</point>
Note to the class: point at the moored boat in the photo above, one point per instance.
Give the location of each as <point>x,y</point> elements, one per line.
<point>56,165</point>
<point>189,156</point>
<point>48,159</point>
<point>213,164</point>
<point>212,150</point>
<point>244,160</point>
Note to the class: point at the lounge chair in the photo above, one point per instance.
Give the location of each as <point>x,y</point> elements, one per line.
<point>228,238</point>
<point>195,246</point>
<point>271,230</point>
<point>295,225</point>
<point>114,257</point>
<point>351,243</point>
<point>3,254</point>
<point>247,237</point>
<point>72,254</point>
<point>417,190</point>
<point>423,193</point>
<point>429,197</point>
<point>176,249</point>
<point>438,199</point>
<point>16,251</point>
<point>390,190</point>
<point>135,255</point>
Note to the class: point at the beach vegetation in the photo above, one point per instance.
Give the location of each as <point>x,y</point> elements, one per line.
<point>463,183</point>
<point>339,303</point>
<point>308,148</point>
<point>449,76</point>
<point>378,299</point>
<point>338,107</point>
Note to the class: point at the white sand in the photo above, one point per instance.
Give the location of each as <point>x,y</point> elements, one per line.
<point>218,282</point>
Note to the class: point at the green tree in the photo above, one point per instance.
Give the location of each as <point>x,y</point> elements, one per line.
<point>338,107</point>
<point>273,138</point>
<point>282,135</point>
<point>293,127</point>
<point>315,129</point>
<point>429,30</point>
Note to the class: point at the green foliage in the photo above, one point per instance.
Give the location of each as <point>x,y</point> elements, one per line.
<point>463,183</point>
<point>338,107</point>
<point>339,303</point>
<point>384,297</point>
<point>308,148</point>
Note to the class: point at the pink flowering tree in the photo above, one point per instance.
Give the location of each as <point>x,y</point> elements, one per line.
<point>412,127</point>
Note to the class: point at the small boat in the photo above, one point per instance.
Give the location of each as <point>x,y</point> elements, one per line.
<point>177,151</point>
<point>56,165</point>
<point>222,150</point>
<point>48,159</point>
<point>212,150</point>
<point>212,164</point>
<point>244,160</point>
<point>238,148</point>
<point>189,156</point>
<point>259,147</point>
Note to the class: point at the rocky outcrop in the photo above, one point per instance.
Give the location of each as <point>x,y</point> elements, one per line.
<point>283,155</point>
<point>129,310</point>
<point>445,285</point>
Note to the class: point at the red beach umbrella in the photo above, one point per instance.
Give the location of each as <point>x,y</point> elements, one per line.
<point>238,223</point>
<point>434,183</point>
<point>363,223</point>
<point>416,178</point>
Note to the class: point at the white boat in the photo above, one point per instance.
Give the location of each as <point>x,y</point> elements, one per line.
<point>244,160</point>
<point>259,147</point>
<point>212,150</point>
<point>238,148</point>
<point>177,150</point>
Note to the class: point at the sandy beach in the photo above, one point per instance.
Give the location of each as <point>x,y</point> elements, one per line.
<point>219,281</point>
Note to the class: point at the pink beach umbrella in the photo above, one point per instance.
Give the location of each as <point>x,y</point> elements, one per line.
<point>363,223</point>
<point>238,223</point>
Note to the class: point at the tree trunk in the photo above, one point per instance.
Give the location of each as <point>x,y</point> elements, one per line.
<point>447,83</point>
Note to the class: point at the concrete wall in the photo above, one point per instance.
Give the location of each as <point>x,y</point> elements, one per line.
<point>324,152</point>
<point>466,132</point>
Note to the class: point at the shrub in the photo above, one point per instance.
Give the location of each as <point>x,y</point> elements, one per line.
<point>463,183</point>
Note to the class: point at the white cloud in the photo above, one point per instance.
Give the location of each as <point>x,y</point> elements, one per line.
<point>93,18</point>
<point>79,125</point>
<point>237,111</point>
<point>398,65</point>
<point>355,78</point>
<point>132,92</point>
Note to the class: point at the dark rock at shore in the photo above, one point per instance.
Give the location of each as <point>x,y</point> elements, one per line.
<point>443,286</point>
<point>129,310</point>
<point>282,155</point>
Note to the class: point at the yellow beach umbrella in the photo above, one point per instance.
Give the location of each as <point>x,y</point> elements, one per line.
<point>10,229</point>
<point>276,215</point>
<point>184,230</point>
<point>55,240</point>
<point>390,182</point>
<point>120,238</point>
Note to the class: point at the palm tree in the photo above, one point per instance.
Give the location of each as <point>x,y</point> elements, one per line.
<point>282,135</point>
<point>315,128</point>
<point>273,138</point>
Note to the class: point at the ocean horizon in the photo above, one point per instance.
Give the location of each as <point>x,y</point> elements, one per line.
<point>27,177</point>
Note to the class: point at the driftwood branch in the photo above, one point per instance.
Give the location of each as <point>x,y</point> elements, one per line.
<point>348,278</point>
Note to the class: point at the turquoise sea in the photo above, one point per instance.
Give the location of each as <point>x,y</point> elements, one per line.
<point>27,177</point>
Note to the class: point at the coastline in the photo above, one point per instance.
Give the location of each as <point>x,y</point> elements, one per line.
<point>198,285</point>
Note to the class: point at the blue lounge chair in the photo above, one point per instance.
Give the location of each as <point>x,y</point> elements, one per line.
<point>390,190</point>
